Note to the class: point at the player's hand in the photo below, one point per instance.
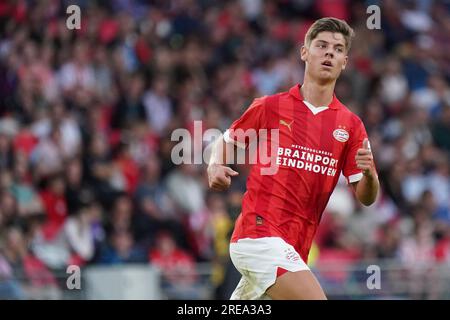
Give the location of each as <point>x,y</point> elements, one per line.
<point>364,159</point>
<point>219,176</point>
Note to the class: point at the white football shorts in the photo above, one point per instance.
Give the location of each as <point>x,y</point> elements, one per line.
<point>258,261</point>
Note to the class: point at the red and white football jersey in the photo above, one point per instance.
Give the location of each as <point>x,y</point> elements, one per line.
<point>314,146</point>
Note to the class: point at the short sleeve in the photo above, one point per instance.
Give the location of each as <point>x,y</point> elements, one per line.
<point>350,169</point>
<point>243,130</point>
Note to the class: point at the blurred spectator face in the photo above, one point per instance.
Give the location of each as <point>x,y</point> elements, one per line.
<point>136,87</point>
<point>437,83</point>
<point>126,22</point>
<point>8,205</point>
<point>161,87</point>
<point>96,212</point>
<point>414,166</point>
<point>421,117</point>
<point>389,240</point>
<point>164,58</point>
<point>5,180</point>
<point>81,53</point>
<point>122,242</point>
<point>55,135</point>
<point>90,214</point>
<point>100,56</point>
<point>327,46</point>
<point>58,185</point>
<point>189,169</point>
<point>166,244</point>
<point>393,66</point>
<point>149,207</point>
<point>94,116</point>
<point>123,204</point>
<point>139,132</point>
<point>443,166</point>
<point>235,197</point>
<point>213,118</point>
<point>14,239</point>
<point>429,154</point>
<point>74,172</point>
<point>58,113</point>
<point>122,213</point>
<point>30,52</point>
<point>428,201</point>
<point>421,216</point>
<point>152,169</point>
<point>216,204</point>
<point>123,150</point>
<point>4,143</point>
<point>423,233</point>
<point>192,54</point>
<point>99,147</point>
<point>47,54</point>
<point>445,117</point>
<point>20,167</point>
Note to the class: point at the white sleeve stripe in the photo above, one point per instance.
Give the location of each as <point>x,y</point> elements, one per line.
<point>227,139</point>
<point>355,177</point>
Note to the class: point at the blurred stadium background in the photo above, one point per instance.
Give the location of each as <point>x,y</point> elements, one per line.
<point>86,117</point>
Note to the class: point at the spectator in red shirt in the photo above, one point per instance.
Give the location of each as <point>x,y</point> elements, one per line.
<point>179,279</point>
<point>55,205</point>
<point>176,264</point>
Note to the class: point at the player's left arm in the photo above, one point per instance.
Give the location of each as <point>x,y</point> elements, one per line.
<point>366,189</point>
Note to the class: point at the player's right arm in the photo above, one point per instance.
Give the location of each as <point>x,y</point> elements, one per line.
<point>219,175</point>
<point>237,136</point>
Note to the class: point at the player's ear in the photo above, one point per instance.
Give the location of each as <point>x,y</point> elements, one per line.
<point>345,63</point>
<point>303,53</point>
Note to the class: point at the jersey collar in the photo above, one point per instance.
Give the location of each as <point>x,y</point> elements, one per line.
<point>295,92</point>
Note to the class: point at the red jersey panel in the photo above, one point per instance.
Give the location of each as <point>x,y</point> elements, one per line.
<point>313,147</point>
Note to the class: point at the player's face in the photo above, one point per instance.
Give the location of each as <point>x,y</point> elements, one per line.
<point>326,56</point>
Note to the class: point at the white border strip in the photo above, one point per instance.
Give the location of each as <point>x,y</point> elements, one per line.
<point>227,139</point>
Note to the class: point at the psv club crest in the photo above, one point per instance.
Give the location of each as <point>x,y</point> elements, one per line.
<point>341,135</point>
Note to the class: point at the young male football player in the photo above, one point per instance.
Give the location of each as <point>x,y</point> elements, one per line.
<point>318,138</point>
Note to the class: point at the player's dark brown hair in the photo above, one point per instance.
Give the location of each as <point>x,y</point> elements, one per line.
<point>332,25</point>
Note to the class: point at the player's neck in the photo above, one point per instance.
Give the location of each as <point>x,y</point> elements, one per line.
<point>316,93</point>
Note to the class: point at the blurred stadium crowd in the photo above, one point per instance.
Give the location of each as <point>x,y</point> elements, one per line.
<point>86,118</point>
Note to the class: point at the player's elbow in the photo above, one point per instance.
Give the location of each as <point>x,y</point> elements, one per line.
<point>367,202</point>
<point>367,199</point>
<point>367,191</point>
